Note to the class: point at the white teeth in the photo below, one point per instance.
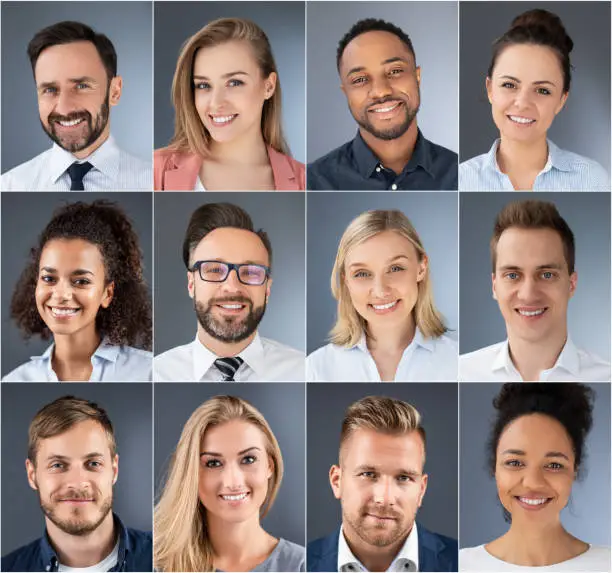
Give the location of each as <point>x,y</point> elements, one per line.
<point>385,109</point>
<point>238,497</point>
<point>64,311</point>
<point>519,119</point>
<point>224,119</point>
<point>384,306</point>
<point>530,501</point>
<point>531,312</point>
<point>71,123</point>
<point>231,306</point>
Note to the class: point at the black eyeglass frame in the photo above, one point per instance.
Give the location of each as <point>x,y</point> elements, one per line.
<point>197,266</point>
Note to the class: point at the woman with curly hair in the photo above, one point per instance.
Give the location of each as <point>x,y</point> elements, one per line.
<point>83,286</point>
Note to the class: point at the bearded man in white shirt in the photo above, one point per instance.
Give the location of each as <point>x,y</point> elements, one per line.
<point>75,71</point>
<point>229,277</point>
<point>533,257</point>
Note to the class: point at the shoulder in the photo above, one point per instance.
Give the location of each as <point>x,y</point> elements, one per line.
<point>474,558</point>
<point>141,539</point>
<point>592,367</point>
<point>140,545</point>
<point>322,553</point>
<point>319,364</point>
<point>592,175</point>
<point>164,155</point>
<point>444,542</point>
<point>273,347</point>
<point>598,557</point>
<point>320,171</point>
<point>289,173</point>
<point>445,345</point>
<point>473,165</point>
<point>290,556</point>
<point>441,154</point>
<point>29,371</point>
<point>473,364</point>
<point>137,360</point>
<point>26,558</point>
<point>19,178</point>
<point>174,364</point>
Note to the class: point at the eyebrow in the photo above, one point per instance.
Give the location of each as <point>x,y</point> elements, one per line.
<point>67,458</point>
<point>228,75</point>
<point>383,63</point>
<point>551,454</point>
<point>218,455</point>
<point>388,261</point>
<point>75,272</point>
<point>538,83</point>
<point>539,267</point>
<point>72,80</point>
<point>367,468</point>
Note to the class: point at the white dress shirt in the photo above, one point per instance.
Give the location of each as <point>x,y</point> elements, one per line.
<point>407,558</point>
<point>595,558</point>
<point>564,171</point>
<point>424,360</point>
<point>493,364</point>
<point>264,361</point>
<point>113,170</point>
<point>111,363</point>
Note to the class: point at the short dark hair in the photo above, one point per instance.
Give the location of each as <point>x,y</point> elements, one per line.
<point>533,214</point>
<point>569,403</point>
<point>211,216</point>
<point>371,25</point>
<point>62,414</point>
<point>68,32</point>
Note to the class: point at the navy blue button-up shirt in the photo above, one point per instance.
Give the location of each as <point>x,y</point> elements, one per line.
<point>135,553</point>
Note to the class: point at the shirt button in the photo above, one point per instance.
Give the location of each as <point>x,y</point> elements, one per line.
<point>394,187</point>
<point>378,169</point>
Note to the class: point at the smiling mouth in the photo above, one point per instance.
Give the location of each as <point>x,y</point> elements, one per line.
<point>531,313</point>
<point>235,497</point>
<point>70,123</point>
<point>223,119</point>
<point>533,502</point>
<point>384,308</point>
<point>62,312</point>
<point>521,120</point>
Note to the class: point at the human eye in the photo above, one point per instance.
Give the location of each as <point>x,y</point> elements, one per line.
<point>361,274</point>
<point>201,85</point>
<point>513,463</point>
<point>548,275</point>
<point>235,83</point>
<point>47,279</point>
<point>508,85</point>
<point>49,90</point>
<point>368,475</point>
<point>404,478</point>
<point>544,91</point>
<point>396,71</point>
<point>213,463</point>
<point>359,80</point>
<point>82,282</point>
<point>248,460</point>
<point>396,268</point>
<point>82,86</point>
<point>556,466</point>
<point>94,464</point>
<point>512,275</point>
<point>56,466</point>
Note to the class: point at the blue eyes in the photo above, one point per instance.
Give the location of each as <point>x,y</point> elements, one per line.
<point>206,86</point>
<point>546,275</point>
<point>362,274</point>
<point>216,463</point>
<point>372,476</point>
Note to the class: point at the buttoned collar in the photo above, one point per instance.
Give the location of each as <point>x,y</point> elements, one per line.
<point>568,359</point>
<point>105,159</point>
<point>407,555</point>
<point>203,358</point>
<point>367,162</point>
<point>418,340</point>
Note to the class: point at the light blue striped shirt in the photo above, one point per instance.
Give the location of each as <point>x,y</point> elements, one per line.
<point>564,171</point>
<point>113,170</point>
<point>111,363</point>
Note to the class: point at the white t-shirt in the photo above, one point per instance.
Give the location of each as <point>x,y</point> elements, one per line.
<point>595,558</point>
<point>105,565</point>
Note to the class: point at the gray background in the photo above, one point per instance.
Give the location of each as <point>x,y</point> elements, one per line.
<point>283,23</point>
<point>130,410</point>
<point>281,215</point>
<point>583,126</point>
<point>129,27</point>
<point>330,122</point>
<point>437,404</point>
<point>434,216</point>
<point>481,518</point>
<point>24,216</point>
<point>282,405</point>
<point>588,215</point>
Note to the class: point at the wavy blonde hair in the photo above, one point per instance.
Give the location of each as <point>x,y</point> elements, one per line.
<point>181,541</point>
<point>189,133</point>
<point>350,325</point>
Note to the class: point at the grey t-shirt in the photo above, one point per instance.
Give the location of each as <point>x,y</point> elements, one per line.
<point>287,556</point>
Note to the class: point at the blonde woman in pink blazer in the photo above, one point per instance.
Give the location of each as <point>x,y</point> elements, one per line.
<point>227,130</point>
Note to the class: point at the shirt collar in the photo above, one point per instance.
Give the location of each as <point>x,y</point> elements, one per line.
<point>105,350</point>
<point>104,159</point>
<point>203,358</point>
<point>418,340</point>
<point>568,359</point>
<point>409,552</point>
<point>367,162</point>
<point>556,158</point>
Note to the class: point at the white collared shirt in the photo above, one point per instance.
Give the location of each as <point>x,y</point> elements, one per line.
<point>264,361</point>
<point>111,363</point>
<point>407,558</point>
<point>424,360</point>
<point>113,170</point>
<point>493,364</point>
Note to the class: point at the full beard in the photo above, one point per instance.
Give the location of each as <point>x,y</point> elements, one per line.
<point>377,536</point>
<point>391,133</point>
<point>229,329</point>
<point>77,525</point>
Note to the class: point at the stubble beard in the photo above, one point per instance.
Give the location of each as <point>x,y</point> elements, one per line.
<point>377,536</point>
<point>393,132</point>
<point>77,526</point>
<point>229,329</point>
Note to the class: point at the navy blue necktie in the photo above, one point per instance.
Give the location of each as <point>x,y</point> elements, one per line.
<point>77,171</point>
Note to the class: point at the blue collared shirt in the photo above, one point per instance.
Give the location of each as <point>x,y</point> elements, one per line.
<point>111,363</point>
<point>354,167</point>
<point>564,171</point>
<point>135,553</point>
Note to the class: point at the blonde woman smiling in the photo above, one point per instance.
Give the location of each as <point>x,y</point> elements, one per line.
<point>387,327</point>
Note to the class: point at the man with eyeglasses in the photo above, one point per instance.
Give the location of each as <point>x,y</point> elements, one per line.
<point>229,279</point>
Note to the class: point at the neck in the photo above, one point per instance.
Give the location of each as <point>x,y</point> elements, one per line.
<point>395,153</point>
<point>83,550</point>
<point>531,358</point>
<point>382,339</point>
<point>220,348</point>
<point>236,541</point>
<point>84,153</point>
<point>249,149</point>
<point>373,558</point>
<point>522,156</point>
<point>74,349</point>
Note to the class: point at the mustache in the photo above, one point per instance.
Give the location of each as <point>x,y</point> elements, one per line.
<point>385,99</point>
<point>230,299</point>
<point>74,494</point>
<point>383,512</point>
<point>83,114</point>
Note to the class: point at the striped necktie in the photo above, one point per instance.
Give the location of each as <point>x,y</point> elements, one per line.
<point>228,367</point>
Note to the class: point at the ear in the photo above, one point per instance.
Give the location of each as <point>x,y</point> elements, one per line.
<point>423,266</point>
<point>335,480</point>
<point>268,287</point>
<point>270,467</point>
<point>488,85</point>
<point>114,92</point>
<point>424,480</point>
<point>562,102</point>
<point>573,283</point>
<point>31,473</point>
<point>270,85</point>
<point>190,283</point>
<point>493,285</point>
<point>418,75</point>
<point>109,291</point>
<point>115,465</point>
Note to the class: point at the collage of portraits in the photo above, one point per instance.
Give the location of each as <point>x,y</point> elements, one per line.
<point>336,326</point>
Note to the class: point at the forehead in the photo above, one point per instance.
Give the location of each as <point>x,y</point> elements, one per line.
<point>388,452</point>
<point>372,49</point>
<point>233,56</point>
<point>535,434</point>
<point>78,441</point>
<point>529,247</point>
<point>231,245</point>
<point>380,248</point>
<point>529,63</point>
<point>71,254</point>
<point>68,61</point>
<point>233,436</point>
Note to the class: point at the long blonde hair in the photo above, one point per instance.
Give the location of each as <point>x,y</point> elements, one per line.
<point>350,325</point>
<point>189,133</point>
<point>181,540</point>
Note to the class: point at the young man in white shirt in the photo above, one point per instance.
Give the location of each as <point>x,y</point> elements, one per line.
<point>533,278</point>
<point>229,279</point>
<point>75,71</point>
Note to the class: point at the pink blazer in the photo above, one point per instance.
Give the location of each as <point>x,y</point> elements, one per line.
<point>174,171</point>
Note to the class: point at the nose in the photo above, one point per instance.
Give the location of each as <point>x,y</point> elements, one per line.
<point>383,494</point>
<point>77,477</point>
<point>217,97</point>
<point>232,283</point>
<point>65,103</point>
<point>380,86</point>
<point>528,290</point>
<point>233,479</point>
<point>522,98</point>
<point>380,286</point>
<point>533,478</point>
<point>62,290</point>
